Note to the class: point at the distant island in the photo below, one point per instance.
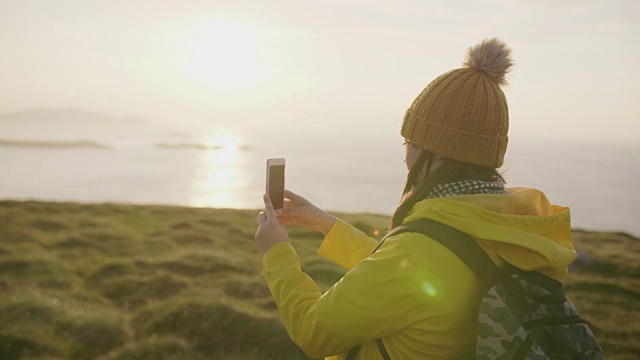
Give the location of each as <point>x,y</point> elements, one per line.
<point>50,144</point>
<point>187,146</point>
<point>194,146</point>
<point>51,128</point>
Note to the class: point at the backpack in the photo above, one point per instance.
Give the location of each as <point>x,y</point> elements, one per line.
<point>523,314</point>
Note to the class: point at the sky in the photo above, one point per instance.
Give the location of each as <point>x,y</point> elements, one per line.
<point>319,66</point>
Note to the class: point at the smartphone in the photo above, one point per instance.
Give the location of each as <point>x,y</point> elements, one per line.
<point>275,181</point>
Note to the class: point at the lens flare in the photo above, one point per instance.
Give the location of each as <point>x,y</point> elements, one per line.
<point>429,289</point>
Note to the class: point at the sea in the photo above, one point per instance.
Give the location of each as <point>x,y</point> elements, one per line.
<point>599,181</point>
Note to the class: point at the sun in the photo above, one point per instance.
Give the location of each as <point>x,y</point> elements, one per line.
<point>223,55</point>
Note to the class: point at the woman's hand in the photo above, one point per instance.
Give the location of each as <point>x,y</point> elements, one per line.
<point>299,211</point>
<point>270,232</point>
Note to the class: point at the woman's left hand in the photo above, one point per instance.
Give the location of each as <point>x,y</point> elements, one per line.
<point>270,232</point>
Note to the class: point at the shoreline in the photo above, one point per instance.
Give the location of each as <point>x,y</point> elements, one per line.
<point>343,214</point>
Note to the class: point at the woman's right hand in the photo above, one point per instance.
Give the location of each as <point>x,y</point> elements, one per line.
<point>299,211</point>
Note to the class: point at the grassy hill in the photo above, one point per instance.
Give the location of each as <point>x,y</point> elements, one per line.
<point>158,282</point>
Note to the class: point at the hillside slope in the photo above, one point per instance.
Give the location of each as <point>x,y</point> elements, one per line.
<point>102,281</point>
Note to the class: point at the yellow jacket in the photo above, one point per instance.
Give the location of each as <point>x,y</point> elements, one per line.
<point>415,294</point>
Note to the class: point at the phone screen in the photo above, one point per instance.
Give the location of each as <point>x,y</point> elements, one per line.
<point>276,185</point>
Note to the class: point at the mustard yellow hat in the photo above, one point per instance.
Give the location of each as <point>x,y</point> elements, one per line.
<point>463,114</point>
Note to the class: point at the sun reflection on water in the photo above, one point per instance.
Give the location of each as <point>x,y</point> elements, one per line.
<point>218,178</point>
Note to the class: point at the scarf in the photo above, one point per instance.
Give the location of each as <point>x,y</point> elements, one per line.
<point>467,187</point>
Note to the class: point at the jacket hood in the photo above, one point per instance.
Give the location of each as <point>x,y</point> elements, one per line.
<point>522,228</point>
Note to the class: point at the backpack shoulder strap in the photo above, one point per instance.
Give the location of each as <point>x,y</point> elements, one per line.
<point>458,242</point>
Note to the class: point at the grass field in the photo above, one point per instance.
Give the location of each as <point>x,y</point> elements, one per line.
<point>89,281</point>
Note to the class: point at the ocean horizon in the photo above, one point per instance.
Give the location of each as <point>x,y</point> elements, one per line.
<point>339,173</point>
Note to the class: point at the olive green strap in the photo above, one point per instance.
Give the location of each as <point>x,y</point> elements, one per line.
<point>353,352</point>
<point>383,350</point>
<point>457,242</point>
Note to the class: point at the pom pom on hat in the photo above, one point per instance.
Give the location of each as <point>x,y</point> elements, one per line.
<point>491,56</point>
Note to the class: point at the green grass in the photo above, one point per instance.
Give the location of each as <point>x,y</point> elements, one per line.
<point>157,282</point>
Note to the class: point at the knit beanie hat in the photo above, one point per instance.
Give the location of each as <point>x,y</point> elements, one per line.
<point>463,114</point>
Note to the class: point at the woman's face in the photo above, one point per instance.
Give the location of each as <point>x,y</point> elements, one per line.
<point>412,152</point>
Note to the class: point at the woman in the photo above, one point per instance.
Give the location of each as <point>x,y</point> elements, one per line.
<point>412,292</point>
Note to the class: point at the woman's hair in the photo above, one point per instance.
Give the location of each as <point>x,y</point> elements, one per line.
<point>418,186</point>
